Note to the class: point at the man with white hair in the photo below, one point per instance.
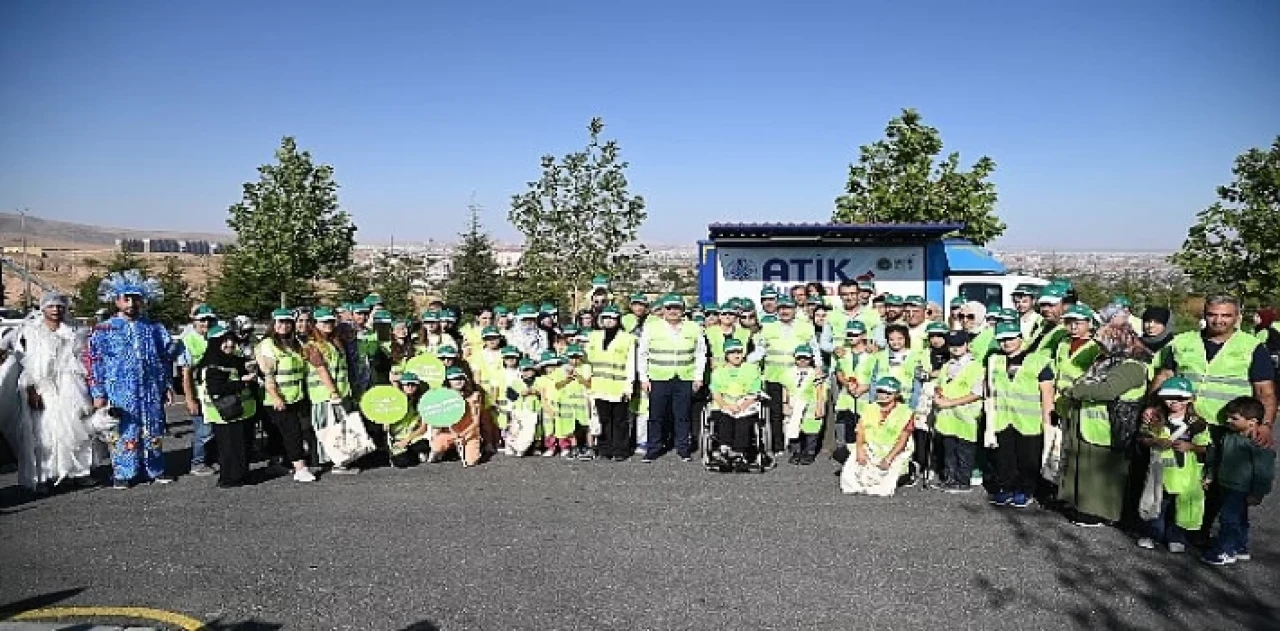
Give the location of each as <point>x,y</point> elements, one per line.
<point>50,436</point>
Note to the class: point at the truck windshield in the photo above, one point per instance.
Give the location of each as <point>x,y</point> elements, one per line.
<point>984,293</point>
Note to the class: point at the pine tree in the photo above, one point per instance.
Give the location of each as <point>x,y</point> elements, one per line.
<point>475,283</point>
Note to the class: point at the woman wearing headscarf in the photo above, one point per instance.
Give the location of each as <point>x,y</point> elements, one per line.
<point>227,398</point>
<point>1106,405</point>
<point>1157,329</point>
<point>973,317</point>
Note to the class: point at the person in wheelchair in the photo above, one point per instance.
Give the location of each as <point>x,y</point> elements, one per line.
<point>735,389</point>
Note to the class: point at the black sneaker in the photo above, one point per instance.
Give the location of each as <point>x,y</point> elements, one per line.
<point>648,458</point>
<point>807,459</point>
<point>795,458</point>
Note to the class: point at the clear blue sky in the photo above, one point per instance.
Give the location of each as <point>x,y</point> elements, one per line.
<point>151,114</point>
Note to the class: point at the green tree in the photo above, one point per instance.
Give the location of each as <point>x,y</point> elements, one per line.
<point>289,229</point>
<point>899,180</point>
<point>392,279</point>
<point>475,282</point>
<point>243,288</point>
<point>578,219</point>
<point>351,285</point>
<point>86,296</point>
<point>174,308</point>
<point>86,301</point>
<point>1233,245</point>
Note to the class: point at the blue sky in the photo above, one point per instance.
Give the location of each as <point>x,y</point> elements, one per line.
<point>152,114</point>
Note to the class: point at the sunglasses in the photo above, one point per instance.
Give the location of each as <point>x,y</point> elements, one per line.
<point>968,316</point>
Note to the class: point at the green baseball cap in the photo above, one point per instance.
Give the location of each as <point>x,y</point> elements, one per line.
<point>453,372</point>
<point>430,315</point>
<point>510,351</point>
<point>957,302</point>
<point>1176,387</point>
<point>936,328</point>
<point>527,364</point>
<point>1007,330</point>
<point>408,378</point>
<point>1051,294</point>
<point>768,292</point>
<point>1079,312</point>
<point>283,314</point>
<point>671,300</point>
<point>382,316</point>
<point>448,315</point>
<point>610,311</point>
<point>548,308</point>
<point>854,327</point>
<point>866,285</point>
<point>1122,301</point>
<point>768,318</point>
<point>1003,315</point>
<point>914,301</point>
<point>549,358</point>
<point>490,332</point>
<point>501,311</point>
<point>600,282</point>
<point>526,311</point>
<point>323,314</point>
<point>888,384</point>
<point>204,312</point>
<point>711,308</point>
<point>575,350</point>
<point>446,351</point>
<point>894,300</point>
<point>733,345</point>
<point>785,300</point>
<point>639,299</point>
<point>803,350</point>
<point>216,331</point>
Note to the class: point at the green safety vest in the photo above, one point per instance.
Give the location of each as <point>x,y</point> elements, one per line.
<point>983,344</point>
<point>609,366</point>
<point>1017,400</point>
<point>1030,323</point>
<point>1219,381</point>
<point>780,348</point>
<point>847,366</point>
<point>877,366</point>
<point>247,402</point>
<point>1095,421</point>
<point>1068,367</point>
<point>716,339</point>
<point>672,355</point>
<point>1049,340</point>
<point>402,429</point>
<point>839,319</point>
<point>629,322</point>
<point>336,362</point>
<point>882,434</point>
<point>1184,481</point>
<point>291,370</point>
<point>196,346</point>
<point>734,383</point>
<point>570,402</point>
<point>960,421</point>
<point>805,389</point>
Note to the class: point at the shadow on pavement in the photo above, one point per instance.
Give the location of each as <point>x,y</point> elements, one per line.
<point>423,625</point>
<point>37,602</point>
<point>252,624</point>
<point>1132,589</point>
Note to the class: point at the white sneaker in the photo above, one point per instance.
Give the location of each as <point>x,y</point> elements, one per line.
<point>550,453</point>
<point>1147,543</point>
<point>303,475</point>
<point>434,457</point>
<point>1177,548</point>
<point>508,451</point>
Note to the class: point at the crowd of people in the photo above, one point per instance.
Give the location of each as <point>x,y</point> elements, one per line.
<point>1107,415</point>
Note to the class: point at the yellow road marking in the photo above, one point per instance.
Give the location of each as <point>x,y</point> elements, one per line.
<point>186,623</point>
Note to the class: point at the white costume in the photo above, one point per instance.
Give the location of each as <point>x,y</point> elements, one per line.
<point>56,442</point>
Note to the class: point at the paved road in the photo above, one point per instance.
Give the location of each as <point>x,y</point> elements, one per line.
<point>537,544</point>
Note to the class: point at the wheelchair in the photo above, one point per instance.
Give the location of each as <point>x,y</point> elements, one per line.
<point>757,460</point>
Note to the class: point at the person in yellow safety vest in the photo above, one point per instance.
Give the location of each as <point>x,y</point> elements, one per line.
<point>805,405</point>
<point>852,308</point>
<point>328,386</point>
<point>408,440</point>
<point>1223,363</point>
<point>432,335</point>
<point>897,359</point>
<point>573,406</point>
<point>725,328</point>
<point>957,404</point>
<point>1173,498</point>
<point>525,405</point>
<point>768,302</point>
<point>800,297</point>
<point>1024,302</point>
<point>847,357</point>
<point>637,315</point>
<point>735,396</point>
<point>1074,355</point>
<point>473,332</point>
<point>913,315</point>
<point>775,346</point>
<point>548,363</point>
<point>227,401</point>
<point>1095,467</point>
<point>1019,406</point>
<point>1050,330</point>
<point>882,450</point>
<point>612,354</point>
<point>194,345</point>
<point>671,361</point>
<point>284,373</point>
<point>487,360</point>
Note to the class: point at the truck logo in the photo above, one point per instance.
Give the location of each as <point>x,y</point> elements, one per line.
<point>740,269</point>
<point>823,269</point>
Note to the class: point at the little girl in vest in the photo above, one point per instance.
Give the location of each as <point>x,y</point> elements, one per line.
<point>1173,499</point>
<point>496,377</point>
<point>805,397</point>
<point>570,405</point>
<point>465,434</point>
<point>882,453</point>
<point>407,439</point>
<point>523,405</point>
<point>545,385</point>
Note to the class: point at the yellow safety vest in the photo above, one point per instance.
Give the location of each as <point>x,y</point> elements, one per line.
<point>672,354</point>
<point>960,421</point>
<point>248,406</point>
<point>780,348</point>
<point>336,362</point>
<point>291,370</point>
<point>609,366</point>
<point>1219,381</point>
<point>1017,400</point>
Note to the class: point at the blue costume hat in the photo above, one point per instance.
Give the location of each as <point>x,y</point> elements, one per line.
<point>129,283</point>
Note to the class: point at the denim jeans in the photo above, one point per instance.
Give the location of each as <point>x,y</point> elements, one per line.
<point>958,457</point>
<point>1233,524</point>
<point>201,434</point>
<point>1164,529</point>
<point>670,402</point>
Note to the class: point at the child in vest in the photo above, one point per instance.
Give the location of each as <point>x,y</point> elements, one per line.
<point>407,439</point>
<point>496,379</point>
<point>524,402</point>
<point>572,405</point>
<point>847,358</point>
<point>1172,498</point>
<point>956,408</point>
<point>882,451</point>
<point>549,363</point>
<point>735,389</point>
<point>805,397</point>
<point>1243,471</point>
<point>465,434</point>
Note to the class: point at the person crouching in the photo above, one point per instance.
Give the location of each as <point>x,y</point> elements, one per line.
<point>882,452</point>
<point>407,439</point>
<point>465,434</point>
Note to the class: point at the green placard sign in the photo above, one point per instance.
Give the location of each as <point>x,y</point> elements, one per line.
<point>441,408</point>
<point>384,405</point>
<point>428,368</point>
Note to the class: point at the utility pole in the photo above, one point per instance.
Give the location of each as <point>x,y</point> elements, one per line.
<point>26,262</point>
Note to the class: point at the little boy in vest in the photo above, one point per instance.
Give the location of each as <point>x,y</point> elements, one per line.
<point>1243,471</point>
<point>806,405</point>
<point>956,408</point>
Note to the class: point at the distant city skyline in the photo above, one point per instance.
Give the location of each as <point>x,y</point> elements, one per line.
<point>1111,124</point>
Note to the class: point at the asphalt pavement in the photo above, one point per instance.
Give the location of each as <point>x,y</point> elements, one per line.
<point>545,544</point>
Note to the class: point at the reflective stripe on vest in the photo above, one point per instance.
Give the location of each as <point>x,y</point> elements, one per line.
<point>336,361</point>
<point>609,366</point>
<point>1095,421</point>
<point>1017,400</point>
<point>291,370</point>
<point>780,349</point>
<point>1216,383</point>
<point>716,339</point>
<point>672,355</point>
<point>960,421</point>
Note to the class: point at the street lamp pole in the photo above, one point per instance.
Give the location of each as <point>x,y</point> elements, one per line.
<point>26,261</point>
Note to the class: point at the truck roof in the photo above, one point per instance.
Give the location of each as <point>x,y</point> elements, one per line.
<point>832,232</point>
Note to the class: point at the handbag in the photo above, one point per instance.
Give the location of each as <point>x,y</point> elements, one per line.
<point>229,406</point>
<point>1126,418</point>
<point>345,440</point>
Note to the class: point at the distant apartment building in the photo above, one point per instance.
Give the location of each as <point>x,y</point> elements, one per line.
<point>168,246</point>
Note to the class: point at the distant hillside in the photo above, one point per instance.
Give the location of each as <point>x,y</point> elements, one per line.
<point>48,232</point>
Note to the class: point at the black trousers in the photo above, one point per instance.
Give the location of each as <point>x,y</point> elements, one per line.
<point>615,428</point>
<point>289,425</point>
<point>409,457</point>
<point>233,451</point>
<point>928,450</point>
<point>737,433</point>
<point>1018,461</point>
<point>774,405</point>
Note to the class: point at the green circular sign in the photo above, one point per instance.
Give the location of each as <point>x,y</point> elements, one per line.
<point>428,368</point>
<point>384,405</point>
<point>441,408</point>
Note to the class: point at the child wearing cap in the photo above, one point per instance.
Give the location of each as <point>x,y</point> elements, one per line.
<point>881,453</point>
<point>465,435</point>
<point>957,405</point>
<point>1172,501</point>
<point>735,409</point>
<point>407,439</point>
<point>1018,406</point>
<point>525,404</point>
<point>805,399</point>
<point>432,335</point>
<point>897,359</point>
<point>571,404</point>
<point>847,358</point>
<point>1243,471</point>
<point>545,384</point>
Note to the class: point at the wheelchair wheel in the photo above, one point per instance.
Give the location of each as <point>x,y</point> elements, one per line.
<point>764,440</point>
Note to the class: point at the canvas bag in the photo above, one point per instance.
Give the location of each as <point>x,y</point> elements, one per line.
<point>345,440</point>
